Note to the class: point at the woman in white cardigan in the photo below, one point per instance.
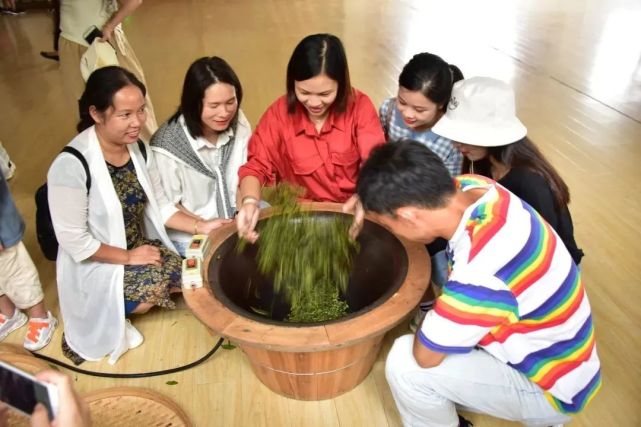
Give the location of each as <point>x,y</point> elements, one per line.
<point>115,257</point>
<point>200,148</point>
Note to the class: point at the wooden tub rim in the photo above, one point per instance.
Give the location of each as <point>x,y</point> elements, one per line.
<point>245,331</point>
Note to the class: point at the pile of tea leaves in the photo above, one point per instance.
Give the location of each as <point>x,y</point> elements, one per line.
<point>309,257</point>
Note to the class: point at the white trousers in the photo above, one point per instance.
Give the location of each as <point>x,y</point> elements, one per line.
<point>474,382</point>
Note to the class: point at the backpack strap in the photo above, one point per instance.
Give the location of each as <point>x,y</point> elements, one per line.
<point>79,156</point>
<point>143,149</point>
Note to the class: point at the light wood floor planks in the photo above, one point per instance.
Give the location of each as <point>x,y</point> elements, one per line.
<point>576,68</point>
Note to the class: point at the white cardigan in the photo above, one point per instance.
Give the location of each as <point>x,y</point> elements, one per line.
<point>195,191</point>
<point>91,293</point>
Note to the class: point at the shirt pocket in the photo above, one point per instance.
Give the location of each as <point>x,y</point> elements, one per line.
<point>347,160</point>
<point>307,165</point>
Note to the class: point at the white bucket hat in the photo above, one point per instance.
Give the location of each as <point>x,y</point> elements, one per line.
<point>481,112</point>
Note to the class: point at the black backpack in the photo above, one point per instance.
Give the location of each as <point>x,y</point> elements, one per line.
<point>44,226</point>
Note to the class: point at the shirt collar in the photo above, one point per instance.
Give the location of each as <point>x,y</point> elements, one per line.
<point>302,123</point>
<point>223,139</point>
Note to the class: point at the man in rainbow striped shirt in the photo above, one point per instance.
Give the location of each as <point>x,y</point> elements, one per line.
<point>511,335</point>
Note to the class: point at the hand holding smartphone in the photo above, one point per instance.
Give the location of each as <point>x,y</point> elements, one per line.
<point>22,391</point>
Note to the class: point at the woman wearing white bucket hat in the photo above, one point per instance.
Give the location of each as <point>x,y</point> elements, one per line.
<point>481,119</point>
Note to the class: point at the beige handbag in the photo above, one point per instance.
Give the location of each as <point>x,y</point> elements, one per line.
<point>100,54</point>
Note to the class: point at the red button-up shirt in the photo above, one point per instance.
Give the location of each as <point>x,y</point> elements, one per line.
<point>287,147</point>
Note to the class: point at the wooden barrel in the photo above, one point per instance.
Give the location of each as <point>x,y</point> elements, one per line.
<point>314,375</point>
<point>313,362</point>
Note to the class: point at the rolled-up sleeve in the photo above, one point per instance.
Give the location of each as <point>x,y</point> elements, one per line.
<point>369,132</point>
<point>262,143</point>
<point>68,204</point>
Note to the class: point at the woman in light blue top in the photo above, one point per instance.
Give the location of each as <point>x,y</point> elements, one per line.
<point>424,90</point>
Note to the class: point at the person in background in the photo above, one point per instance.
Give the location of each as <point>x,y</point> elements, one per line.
<point>20,287</point>
<point>511,334</point>
<point>53,54</point>
<point>201,147</point>
<point>315,137</point>
<point>424,90</point>
<point>77,18</point>
<point>115,257</point>
<point>483,123</point>
<point>10,8</point>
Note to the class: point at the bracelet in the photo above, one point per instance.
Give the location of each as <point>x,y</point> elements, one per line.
<point>196,226</point>
<point>250,199</point>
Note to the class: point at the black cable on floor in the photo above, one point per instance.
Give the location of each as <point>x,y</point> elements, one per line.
<point>136,375</point>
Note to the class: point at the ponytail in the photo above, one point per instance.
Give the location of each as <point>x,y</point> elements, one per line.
<point>86,121</point>
<point>430,75</point>
<point>456,72</point>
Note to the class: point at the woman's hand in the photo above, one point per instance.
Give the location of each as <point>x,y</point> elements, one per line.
<point>107,32</point>
<point>72,409</point>
<point>206,227</point>
<point>353,206</point>
<point>143,255</point>
<point>246,220</point>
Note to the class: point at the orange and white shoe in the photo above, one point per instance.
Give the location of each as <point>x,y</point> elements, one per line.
<point>40,332</point>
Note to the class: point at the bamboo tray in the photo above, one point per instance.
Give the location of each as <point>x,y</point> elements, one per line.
<point>133,406</point>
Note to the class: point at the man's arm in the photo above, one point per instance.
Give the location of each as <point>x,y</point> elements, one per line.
<point>425,357</point>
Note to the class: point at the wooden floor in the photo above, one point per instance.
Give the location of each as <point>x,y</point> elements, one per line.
<point>576,68</point>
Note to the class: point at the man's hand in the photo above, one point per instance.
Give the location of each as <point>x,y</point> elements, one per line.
<point>353,206</point>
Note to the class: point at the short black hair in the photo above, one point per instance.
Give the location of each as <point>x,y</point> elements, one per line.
<point>403,173</point>
<point>432,76</point>
<point>203,73</point>
<point>315,55</point>
<point>100,89</point>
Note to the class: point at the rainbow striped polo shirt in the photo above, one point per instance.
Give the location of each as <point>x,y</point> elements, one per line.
<point>514,291</point>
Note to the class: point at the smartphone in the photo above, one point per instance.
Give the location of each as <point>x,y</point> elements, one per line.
<point>23,392</point>
<point>91,34</point>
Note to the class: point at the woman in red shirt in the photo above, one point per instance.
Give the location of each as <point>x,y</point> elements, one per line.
<point>316,136</point>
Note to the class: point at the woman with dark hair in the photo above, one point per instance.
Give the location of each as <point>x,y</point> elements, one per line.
<point>200,148</point>
<point>316,136</point>
<point>481,118</point>
<point>424,90</point>
<point>115,257</point>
